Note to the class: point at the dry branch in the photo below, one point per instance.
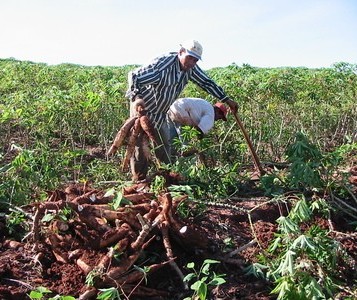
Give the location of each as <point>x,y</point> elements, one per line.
<point>145,230</point>
<point>169,252</point>
<point>240,249</point>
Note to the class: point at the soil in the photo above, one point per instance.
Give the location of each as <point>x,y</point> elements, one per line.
<point>226,233</point>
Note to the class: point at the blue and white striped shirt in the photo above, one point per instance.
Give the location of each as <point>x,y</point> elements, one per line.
<point>161,82</point>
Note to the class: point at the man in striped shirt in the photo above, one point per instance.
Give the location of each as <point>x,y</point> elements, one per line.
<point>159,84</point>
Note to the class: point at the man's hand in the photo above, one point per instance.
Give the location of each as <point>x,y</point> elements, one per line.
<point>200,132</point>
<point>232,105</point>
<point>139,106</point>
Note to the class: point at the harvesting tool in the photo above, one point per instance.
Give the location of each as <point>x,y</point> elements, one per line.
<point>250,145</point>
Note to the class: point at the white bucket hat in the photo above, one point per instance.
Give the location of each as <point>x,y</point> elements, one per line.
<point>193,48</point>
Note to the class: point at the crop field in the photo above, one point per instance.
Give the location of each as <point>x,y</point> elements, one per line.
<point>209,226</point>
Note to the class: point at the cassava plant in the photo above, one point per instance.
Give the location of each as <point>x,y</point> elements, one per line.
<point>303,261</point>
<point>203,279</point>
<point>305,171</point>
<point>305,164</point>
<point>41,293</point>
<point>108,294</point>
<point>208,177</point>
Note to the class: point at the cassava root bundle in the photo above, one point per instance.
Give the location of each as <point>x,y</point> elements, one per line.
<point>137,130</point>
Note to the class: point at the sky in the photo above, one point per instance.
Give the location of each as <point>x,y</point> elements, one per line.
<point>261,33</point>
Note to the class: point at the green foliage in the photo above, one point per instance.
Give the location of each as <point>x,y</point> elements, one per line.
<point>118,197</point>
<point>158,184</point>
<point>305,159</point>
<point>93,275</point>
<point>62,214</point>
<point>41,292</point>
<point>303,261</point>
<point>145,270</point>
<point>51,117</point>
<point>256,269</point>
<point>333,161</point>
<point>185,209</point>
<point>309,169</point>
<point>14,221</point>
<point>208,176</point>
<point>108,294</point>
<point>273,183</point>
<point>203,279</point>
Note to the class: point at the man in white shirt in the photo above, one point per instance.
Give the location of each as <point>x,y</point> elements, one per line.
<point>195,112</point>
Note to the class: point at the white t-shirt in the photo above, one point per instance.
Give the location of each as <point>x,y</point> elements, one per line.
<point>193,112</point>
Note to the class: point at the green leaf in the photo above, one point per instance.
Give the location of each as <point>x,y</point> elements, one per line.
<point>256,269</point>
<point>314,290</point>
<point>205,269</point>
<point>201,289</point>
<point>289,262</point>
<point>109,192</point>
<point>35,295</point>
<point>196,285</point>
<point>287,226</point>
<point>282,288</point>
<point>191,265</point>
<point>211,261</point>
<point>286,264</point>
<point>217,281</point>
<point>275,245</point>
<point>44,290</point>
<point>302,211</point>
<point>39,292</point>
<point>117,200</point>
<point>108,294</point>
<point>47,218</point>
<point>303,242</point>
<point>189,277</point>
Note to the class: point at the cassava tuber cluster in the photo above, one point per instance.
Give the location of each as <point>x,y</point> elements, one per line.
<point>110,242</point>
<point>135,130</point>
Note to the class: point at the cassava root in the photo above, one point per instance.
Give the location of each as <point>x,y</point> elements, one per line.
<point>137,130</point>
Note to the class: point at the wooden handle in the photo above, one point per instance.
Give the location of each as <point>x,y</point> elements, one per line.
<point>250,145</point>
